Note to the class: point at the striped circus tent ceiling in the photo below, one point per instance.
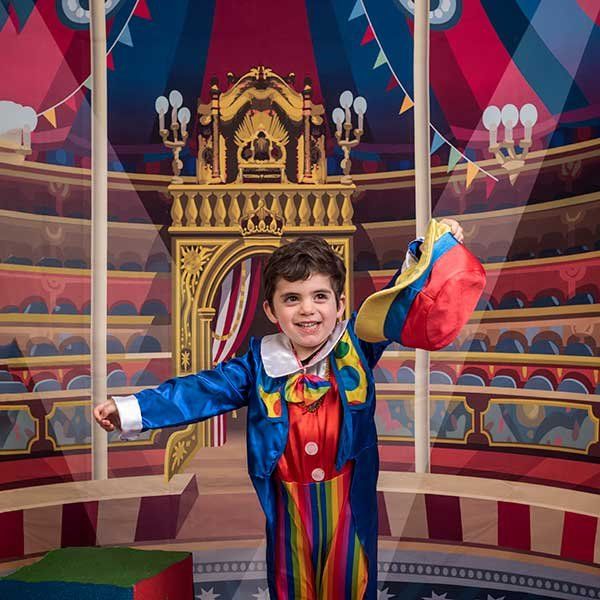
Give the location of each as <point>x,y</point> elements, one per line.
<point>482,52</point>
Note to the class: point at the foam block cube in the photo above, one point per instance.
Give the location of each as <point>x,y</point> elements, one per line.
<point>103,574</point>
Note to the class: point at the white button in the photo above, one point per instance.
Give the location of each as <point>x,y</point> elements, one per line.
<point>311,448</point>
<point>318,474</point>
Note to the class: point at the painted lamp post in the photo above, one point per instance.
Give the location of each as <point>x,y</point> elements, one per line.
<point>346,137</point>
<point>180,117</point>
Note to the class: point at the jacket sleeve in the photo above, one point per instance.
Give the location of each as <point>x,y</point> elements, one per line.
<point>374,350</point>
<point>188,399</point>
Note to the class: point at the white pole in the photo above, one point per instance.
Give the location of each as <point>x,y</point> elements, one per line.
<point>99,232</point>
<point>423,216</point>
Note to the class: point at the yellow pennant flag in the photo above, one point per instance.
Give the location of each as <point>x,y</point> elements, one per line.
<point>472,170</point>
<point>50,114</point>
<point>407,104</point>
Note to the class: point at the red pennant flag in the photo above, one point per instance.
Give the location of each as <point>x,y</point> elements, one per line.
<point>392,83</point>
<point>72,102</point>
<point>368,37</point>
<point>110,62</point>
<point>490,184</point>
<point>142,11</point>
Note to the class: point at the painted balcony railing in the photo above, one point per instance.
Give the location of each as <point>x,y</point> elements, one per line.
<point>223,207</point>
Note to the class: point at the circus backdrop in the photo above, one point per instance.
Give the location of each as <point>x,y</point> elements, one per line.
<point>511,507</point>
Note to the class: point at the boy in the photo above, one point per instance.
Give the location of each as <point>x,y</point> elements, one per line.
<point>311,436</point>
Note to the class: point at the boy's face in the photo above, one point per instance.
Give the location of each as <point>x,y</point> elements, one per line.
<point>307,311</point>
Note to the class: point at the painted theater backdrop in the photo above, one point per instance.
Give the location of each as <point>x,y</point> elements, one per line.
<point>234,127</point>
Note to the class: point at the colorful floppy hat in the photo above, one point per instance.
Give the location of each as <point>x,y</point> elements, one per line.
<point>427,305</point>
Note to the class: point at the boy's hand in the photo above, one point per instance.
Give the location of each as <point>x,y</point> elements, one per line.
<point>455,229</point>
<point>107,415</point>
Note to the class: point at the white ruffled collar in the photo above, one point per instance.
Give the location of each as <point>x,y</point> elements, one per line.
<point>279,358</point>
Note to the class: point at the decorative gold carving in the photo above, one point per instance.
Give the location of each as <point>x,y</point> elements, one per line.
<point>339,250</point>
<point>261,221</point>
<point>333,212</point>
<point>177,210</point>
<point>205,210</point>
<point>304,210</point>
<point>277,133</point>
<point>193,259</point>
<point>185,361</point>
<point>181,446</point>
<point>191,211</point>
<point>290,212</point>
<point>234,213</point>
<point>220,211</point>
<point>261,140</point>
<point>318,210</point>
<point>347,209</point>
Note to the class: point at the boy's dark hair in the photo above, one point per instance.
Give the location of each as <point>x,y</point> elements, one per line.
<point>298,260</point>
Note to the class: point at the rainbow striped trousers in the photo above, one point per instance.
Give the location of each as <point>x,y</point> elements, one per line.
<point>318,555</point>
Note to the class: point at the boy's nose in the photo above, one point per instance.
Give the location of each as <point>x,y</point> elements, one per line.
<point>306,307</point>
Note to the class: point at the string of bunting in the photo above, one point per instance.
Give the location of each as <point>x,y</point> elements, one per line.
<point>438,140</point>
<point>141,10</point>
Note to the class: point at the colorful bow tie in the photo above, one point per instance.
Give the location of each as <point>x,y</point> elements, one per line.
<point>306,389</point>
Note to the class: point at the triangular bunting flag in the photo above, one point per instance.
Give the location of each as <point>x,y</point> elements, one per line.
<point>407,104</point>
<point>125,37</point>
<point>141,10</point>
<point>357,11</point>
<point>455,156</point>
<point>472,170</point>
<point>381,60</point>
<point>392,83</point>
<point>436,142</point>
<point>71,102</point>
<point>490,184</point>
<point>368,37</point>
<point>110,62</point>
<point>88,83</point>
<point>50,114</point>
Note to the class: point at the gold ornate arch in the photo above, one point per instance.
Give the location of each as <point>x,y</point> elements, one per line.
<point>220,221</point>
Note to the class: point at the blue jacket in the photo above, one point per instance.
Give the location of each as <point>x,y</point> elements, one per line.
<point>243,382</point>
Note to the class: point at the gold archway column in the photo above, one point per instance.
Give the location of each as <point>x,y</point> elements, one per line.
<point>215,227</point>
<point>183,444</point>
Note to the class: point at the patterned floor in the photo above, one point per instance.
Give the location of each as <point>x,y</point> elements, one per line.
<point>408,575</point>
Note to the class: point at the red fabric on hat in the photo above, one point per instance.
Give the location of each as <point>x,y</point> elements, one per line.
<point>444,305</point>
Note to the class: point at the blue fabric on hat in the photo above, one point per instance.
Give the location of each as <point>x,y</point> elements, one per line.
<point>402,303</point>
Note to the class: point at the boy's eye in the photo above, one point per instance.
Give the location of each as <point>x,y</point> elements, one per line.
<point>321,296</point>
<point>290,299</point>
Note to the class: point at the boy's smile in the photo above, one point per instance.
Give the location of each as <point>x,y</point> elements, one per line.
<point>306,311</point>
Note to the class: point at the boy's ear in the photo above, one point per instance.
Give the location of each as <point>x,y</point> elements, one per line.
<point>269,312</point>
<point>341,307</point>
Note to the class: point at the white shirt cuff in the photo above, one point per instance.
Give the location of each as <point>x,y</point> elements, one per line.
<point>130,416</point>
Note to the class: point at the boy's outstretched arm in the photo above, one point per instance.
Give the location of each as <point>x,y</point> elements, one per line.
<point>180,400</point>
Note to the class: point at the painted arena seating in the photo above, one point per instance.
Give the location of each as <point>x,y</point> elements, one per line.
<point>143,343</point>
<point>10,350</point>
<point>47,385</point>
<point>65,307</point>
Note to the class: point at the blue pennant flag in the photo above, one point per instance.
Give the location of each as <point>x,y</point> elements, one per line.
<point>357,11</point>
<point>436,142</point>
<point>125,37</point>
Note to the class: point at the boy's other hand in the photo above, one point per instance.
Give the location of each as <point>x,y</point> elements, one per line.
<point>107,415</point>
<point>455,229</point>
